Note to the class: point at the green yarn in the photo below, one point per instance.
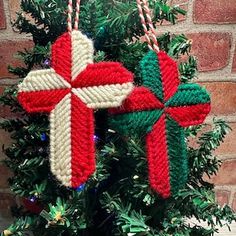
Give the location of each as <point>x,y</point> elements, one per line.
<point>177,154</point>
<point>188,94</point>
<point>139,122</point>
<point>173,138</point>
<point>151,74</point>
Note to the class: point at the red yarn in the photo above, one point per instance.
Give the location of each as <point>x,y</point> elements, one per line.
<point>169,75</point>
<point>157,154</point>
<point>107,78</point>
<point>189,115</point>
<point>41,101</point>
<point>83,149</point>
<point>62,56</point>
<point>141,98</point>
<point>102,73</point>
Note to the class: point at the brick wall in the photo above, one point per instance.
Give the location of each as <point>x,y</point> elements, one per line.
<point>211,25</point>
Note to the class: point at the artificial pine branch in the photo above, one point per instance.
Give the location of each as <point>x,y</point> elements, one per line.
<point>117,200</point>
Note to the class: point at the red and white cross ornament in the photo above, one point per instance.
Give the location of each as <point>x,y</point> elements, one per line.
<point>70,90</point>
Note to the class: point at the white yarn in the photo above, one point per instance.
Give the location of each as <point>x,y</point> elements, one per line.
<point>60,141</point>
<point>43,80</point>
<point>82,53</point>
<point>103,96</point>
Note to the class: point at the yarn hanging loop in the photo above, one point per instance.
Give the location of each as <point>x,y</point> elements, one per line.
<point>150,34</point>
<point>69,17</point>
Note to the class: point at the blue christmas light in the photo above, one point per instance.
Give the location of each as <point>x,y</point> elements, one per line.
<point>32,199</point>
<point>47,63</point>
<point>95,138</point>
<point>43,137</point>
<point>80,188</point>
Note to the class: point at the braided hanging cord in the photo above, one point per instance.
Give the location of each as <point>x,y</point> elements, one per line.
<point>150,34</point>
<point>70,12</point>
<point>70,91</point>
<point>76,26</point>
<point>69,18</point>
<point>159,110</point>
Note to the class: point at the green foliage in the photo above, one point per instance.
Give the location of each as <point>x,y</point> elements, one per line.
<point>117,199</point>
<point>188,69</point>
<point>20,226</point>
<point>57,214</point>
<point>34,57</point>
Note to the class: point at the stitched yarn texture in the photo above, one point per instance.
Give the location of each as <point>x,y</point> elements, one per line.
<point>69,91</point>
<point>159,110</point>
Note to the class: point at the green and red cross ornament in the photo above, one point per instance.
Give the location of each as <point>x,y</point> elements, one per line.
<point>160,109</point>
<point>70,91</point>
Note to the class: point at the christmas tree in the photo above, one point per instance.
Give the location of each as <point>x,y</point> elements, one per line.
<point>117,199</point>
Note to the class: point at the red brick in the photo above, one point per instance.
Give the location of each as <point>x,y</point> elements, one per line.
<point>226,174</point>
<point>223,97</point>
<point>2,16</point>
<point>234,203</point>
<point>5,173</point>
<point>14,6</point>
<point>222,197</point>
<point>234,61</point>
<point>8,50</point>
<point>214,11</point>
<point>212,50</point>
<point>228,147</point>
<point>6,201</point>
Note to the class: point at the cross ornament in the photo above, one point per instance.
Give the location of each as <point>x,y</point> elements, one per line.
<point>159,110</point>
<point>70,90</point>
